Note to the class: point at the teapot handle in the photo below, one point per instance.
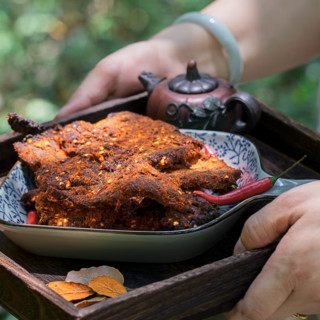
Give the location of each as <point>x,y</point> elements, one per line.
<point>249,114</point>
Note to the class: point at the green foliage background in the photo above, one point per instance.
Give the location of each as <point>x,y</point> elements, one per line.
<point>48,46</point>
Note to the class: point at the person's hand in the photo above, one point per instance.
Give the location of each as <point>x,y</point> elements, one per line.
<point>290,280</point>
<point>165,55</point>
<point>117,75</point>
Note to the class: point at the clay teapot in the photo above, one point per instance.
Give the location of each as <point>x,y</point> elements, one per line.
<point>198,101</point>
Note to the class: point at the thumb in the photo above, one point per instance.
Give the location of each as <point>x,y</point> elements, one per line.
<point>266,225</point>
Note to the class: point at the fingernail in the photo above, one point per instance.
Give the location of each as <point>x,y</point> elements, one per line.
<point>239,247</point>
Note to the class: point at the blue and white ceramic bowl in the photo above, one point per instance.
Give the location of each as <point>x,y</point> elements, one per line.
<point>128,245</point>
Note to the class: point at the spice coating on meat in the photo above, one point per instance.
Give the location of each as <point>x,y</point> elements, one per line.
<point>124,172</point>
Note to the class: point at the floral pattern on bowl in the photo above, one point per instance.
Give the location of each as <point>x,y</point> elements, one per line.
<point>235,150</point>
<point>17,183</point>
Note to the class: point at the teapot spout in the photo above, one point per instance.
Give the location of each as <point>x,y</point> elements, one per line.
<point>149,80</point>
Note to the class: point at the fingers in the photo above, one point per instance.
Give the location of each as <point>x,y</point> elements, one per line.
<point>268,297</point>
<point>263,228</point>
<point>286,283</point>
<point>273,220</point>
<point>266,294</point>
<point>289,281</point>
<point>95,88</point>
<point>117,75</point>
<point>113,77</point>
<point>165,54</point>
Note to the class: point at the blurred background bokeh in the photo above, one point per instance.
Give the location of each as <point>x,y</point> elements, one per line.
<point>48,46</point>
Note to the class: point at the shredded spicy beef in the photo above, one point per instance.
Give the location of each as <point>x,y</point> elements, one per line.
<point>124,172</point>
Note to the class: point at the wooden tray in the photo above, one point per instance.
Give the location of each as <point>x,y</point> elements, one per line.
<point>193,289</point>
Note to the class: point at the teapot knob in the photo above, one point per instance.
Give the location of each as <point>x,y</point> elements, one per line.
<point>193,82</point>
<point>192,71</point>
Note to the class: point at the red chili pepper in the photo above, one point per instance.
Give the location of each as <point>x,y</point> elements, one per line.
<point>32,217</point>
<point>208,150</point>
<point>251,189</point>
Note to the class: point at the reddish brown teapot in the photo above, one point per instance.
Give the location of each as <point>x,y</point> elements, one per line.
<point>198,101</point>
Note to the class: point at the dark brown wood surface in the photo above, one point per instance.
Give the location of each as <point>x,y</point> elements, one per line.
<point>193,289</point>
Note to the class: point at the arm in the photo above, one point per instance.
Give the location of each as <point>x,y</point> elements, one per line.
<point>272,35</point>
<point>269,42</point>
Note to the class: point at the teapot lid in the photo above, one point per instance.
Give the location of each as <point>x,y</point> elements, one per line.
<point>193,82</point>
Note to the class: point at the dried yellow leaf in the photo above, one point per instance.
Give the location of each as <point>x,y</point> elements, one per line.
<point>71,290</point>
<point>89,302</point>
<point>107,286</point>
<point>86,274</point>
